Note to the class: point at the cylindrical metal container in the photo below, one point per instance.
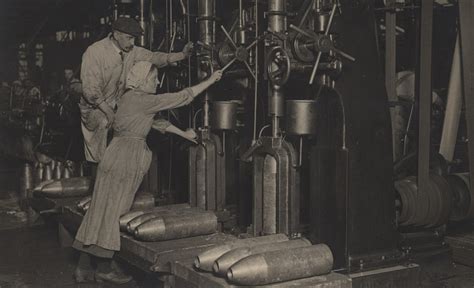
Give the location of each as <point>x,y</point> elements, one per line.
<point>39,173</point>
<point>277,15</point>
<point>67,172</point>
<point>47,172</point>
<point>58,170</point>
<point>26,180</point>
<point>53,164</point>
<point>301,117</point>
<point>206,20</point>
<point>276,100</point>
<point>224,115</point>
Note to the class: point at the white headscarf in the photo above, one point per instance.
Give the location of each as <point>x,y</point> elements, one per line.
<point>137,75</point>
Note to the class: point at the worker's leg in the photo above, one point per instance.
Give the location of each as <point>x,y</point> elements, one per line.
<point>84,271</point>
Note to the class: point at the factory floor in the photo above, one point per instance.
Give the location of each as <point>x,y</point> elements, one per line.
<point>30,254</point>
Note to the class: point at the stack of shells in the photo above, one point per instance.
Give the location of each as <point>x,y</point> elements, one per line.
<point>38,174</point>
<point>142,201</point>
<point>266,260</point>
<point>168,222</point>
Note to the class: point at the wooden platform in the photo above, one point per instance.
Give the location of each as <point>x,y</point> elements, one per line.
<point>186,276</point>
<point>152,256</point>
<point>406,276</point>
<point>172,260</point>
<point>462,245</point>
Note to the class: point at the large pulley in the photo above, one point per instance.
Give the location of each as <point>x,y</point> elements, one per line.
<point>431,208</point>
<point>320,43</point>
<point>231,52</point>
<point>463,197</point>
<point>278,66</point>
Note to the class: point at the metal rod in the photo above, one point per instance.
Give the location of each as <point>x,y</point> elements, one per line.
<point>188,29</point>
<point>241,18</point>
<point>188,20</point>
<point>142,22</point>
<point>252,44</point>
<point>223,142</point>
<point>228,64</point>
<point>228,37</point>
<point>318,58</point>
<point>275,126</point>
<point>150,29</point>
<point>390,73</point>
<point>11,98</point>
<point>255,100</point>
<point>425,96</point>
<point>250,69</point>
<point>331,17</point>
<point>315,68</point>
<point>299,30</point>
<point>343,54</point>
<point>301,151</point>
<point>306,13</point>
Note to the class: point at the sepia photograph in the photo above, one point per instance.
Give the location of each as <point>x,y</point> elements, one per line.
<point>236,143</point>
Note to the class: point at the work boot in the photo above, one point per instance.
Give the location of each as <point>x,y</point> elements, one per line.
<point>113,276</point>
<point>83,275</point>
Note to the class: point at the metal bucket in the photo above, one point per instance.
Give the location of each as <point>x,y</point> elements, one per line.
<point>224,115</point>
<point>300,117</point>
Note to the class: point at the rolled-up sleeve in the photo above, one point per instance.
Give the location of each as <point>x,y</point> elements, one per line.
<point>160,125</point>
<point>91,78</point>
<point>156,103</point>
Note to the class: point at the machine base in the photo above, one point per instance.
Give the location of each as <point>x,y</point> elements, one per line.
<point>406,276</point>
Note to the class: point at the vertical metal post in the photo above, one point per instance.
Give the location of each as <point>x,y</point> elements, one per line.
<point>255,100</point>
<point>206,11</point>
<point>277,22</point>
<point>425,95</point>
<point>390,72</point>
<point>142,22</point>
<point>465,17</point>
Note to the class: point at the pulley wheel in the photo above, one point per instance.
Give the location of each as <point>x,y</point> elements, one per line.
<point>278,66</point>
<point>301,50</point>
<point>446,200</point>
<point>461,196</point>
<point>402,191</point>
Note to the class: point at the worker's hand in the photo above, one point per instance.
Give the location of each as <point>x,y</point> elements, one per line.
<point>110,118</point>
<point>109,113</point>
<point>216,76</point>
<point>188,49</point>
<point>191,135</point>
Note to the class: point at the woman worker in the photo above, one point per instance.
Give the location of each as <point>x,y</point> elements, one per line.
<point>121,170</point>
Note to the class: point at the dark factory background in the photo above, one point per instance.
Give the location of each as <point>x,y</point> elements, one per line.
<point>334,151</point>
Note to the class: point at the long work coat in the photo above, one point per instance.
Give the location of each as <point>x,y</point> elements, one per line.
<point>125,162</point>
<point>103,72</point>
